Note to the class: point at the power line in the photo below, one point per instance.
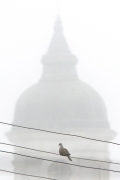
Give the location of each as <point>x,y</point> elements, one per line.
<point>53,132</point>
<point>27,174</point>
<point>59,154</point>
<point>89,167</point>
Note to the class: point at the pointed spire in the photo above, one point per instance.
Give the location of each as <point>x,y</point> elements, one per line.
<point>58,43</point>
<point>58,48</point>
<point>58,24</point>
<point>59,62</point>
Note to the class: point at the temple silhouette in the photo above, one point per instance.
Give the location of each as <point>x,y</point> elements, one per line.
<point>61,102</point>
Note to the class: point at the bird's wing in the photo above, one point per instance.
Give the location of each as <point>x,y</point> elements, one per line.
<point>67,152</point>
<point>64,152</point>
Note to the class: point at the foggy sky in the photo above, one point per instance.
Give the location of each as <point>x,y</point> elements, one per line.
<point>92,30</point>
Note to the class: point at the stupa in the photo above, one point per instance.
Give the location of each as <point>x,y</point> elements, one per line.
<point>61,102</point>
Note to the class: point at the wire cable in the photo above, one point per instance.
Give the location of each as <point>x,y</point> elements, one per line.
<point>30,175</point>
<point>89,167</point>
<point>87,159</point>
<point>53,132</point>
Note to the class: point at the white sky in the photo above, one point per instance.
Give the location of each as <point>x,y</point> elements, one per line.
<point>92,30</point>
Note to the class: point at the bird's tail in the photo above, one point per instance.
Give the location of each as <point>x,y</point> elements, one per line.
<point>69,158</point>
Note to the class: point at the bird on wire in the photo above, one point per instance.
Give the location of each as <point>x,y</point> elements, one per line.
<point>64,152</point>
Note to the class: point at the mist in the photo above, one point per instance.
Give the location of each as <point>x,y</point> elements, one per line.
<point>52,97</point>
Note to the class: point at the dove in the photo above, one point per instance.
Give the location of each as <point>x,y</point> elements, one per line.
<point>64,152</point>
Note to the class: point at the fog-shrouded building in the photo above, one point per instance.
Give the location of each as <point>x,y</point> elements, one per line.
<point>60,102</point>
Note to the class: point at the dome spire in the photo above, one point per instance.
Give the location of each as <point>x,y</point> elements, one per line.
<point>59,62</point>
<point>58,47</point>
<point>58,24</point>
<point>58,42</point>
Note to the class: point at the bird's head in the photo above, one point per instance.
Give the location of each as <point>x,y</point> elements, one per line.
<point>60,144</point>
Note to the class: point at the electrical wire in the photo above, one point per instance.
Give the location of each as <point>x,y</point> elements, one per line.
<point>53,132</point>
<point>89,167</point>
<point>87,159</point>
<point>30,175</point>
